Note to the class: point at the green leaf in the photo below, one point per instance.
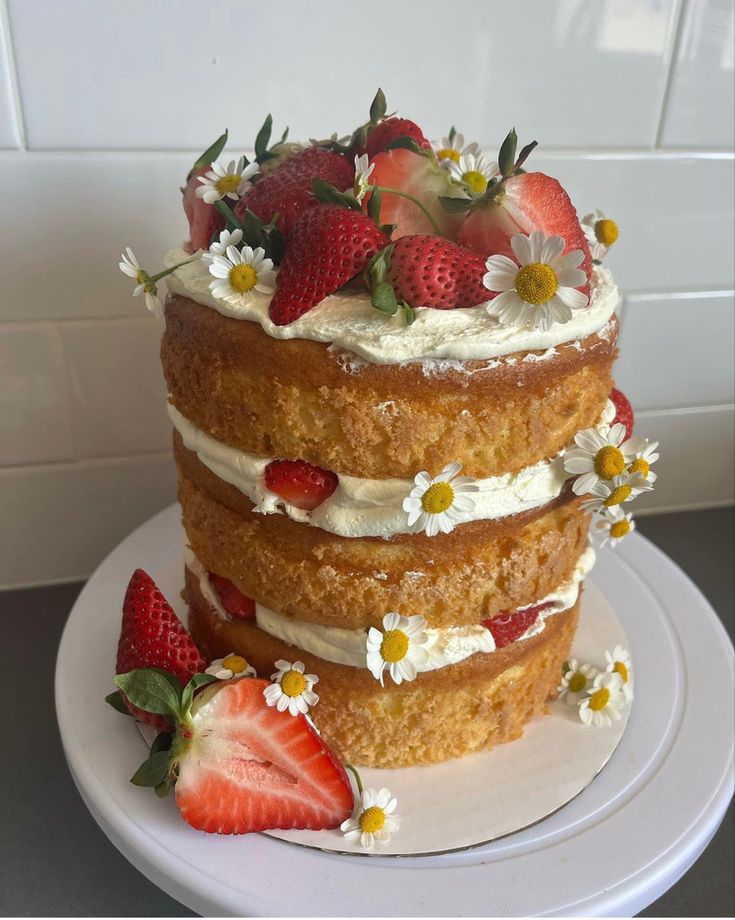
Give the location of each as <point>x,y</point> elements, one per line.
<point>523,156</point>
<point>327,193</point>
<point>455,205</point>
<point>232,222</point>
<point>378,107</point>
<point>452,134</point>
<point>117,702</point>
<point>263,137</point>
<point>212,152</point>
<point>152,689</point>
<point>373,208</point>
<point>162,789</point>
<point>507,155</point>
<point>377,267</point>
<point>408,143</point>
<point>152,772</point>
<point>197,681</point>
<point>161,742</point>
<point>408,313</point>
<point>384,298</point>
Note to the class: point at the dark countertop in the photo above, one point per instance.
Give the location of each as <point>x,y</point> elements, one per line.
<point>55,861</point>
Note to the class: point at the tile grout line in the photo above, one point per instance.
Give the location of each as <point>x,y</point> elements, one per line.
<point>666,94</point>
<point>82,462</point>
<point>13,72</point>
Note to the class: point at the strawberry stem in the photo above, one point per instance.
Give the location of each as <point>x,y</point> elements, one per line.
<point>394,191</point>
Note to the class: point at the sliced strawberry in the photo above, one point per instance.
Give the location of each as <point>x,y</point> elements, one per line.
<point>152,636</point>
<point>390,130</point>
<point>507,627</point>
<point>422,178</point>
<point>329,245</point>
<point>287,191</point>
<point>204,219</point>
<point>232,599</point>
<point>249,767</point>
<point>623,411</point>
<point>301,484</point>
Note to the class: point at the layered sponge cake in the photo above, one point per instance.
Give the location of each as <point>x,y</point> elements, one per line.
<point>378,357</point>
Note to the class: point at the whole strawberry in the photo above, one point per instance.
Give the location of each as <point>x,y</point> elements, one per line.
<point>623,411</point>
<point>389,130</point>
<point>329,245</point>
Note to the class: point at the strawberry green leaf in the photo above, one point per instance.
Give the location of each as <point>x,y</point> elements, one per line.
<point>327,193</point>
<point>373,207</point>
<point>408,143</point>
<point>523,156</point>
<point>455,205</point>
<point>378,107</point>
<point>377,267</point>
<point>507,155</point>
<point>384,298</point>
<point>197,681</point>
<point>211,153</point>
<point>117,702</point>
<point>152,689</point>
<point>408,312</point>
<point>162,789</point>
<point>263,137</point>
<point>162,742</point>
<point>153,771</point>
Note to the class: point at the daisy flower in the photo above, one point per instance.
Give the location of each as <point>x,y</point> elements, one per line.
<point>451,148</point>
<point>399,649</point>
<point>601,707</point>
<point>542,288</point>
<point>619,662</point>
<point>644,459</point>
<point>240,272</point>
<point>292,689</point>
<point>601,233</point>
<point>363,168</point>
<point>131,267</point>
<point>219,247</point>
<point>600,454</point>
<point>577,678</point>
<point>230,666</point>
<point>619,489</point>
<point>436,505</point>
<point>374,818</point>
<point>472,170</point>
<point>231,182</point>
<point>614,526</point>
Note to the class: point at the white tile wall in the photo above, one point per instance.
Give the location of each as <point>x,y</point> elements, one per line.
<point>102,105</point>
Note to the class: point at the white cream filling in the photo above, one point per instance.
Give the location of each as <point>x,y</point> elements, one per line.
<point>446,646</point>
<point>371,507</point>
<point>437,337</point>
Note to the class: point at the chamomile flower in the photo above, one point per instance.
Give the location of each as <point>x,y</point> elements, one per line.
<point>219,247</point>
<point>601,233</point>
<point>473,171</point>
<point>399,649</point>
<point>451,149</point>
<point>608,494</point>
<point>542,289</point>
<point>600,454</point>
<point>576,680</point>
<point>619,662</point>
<point>131,267</point>
<point>240,272</point>
<point>230,666</point>
<point>226,182</point>
<point>374,818</point>
<point>436,505</point>
<point>291,688</point>
<point>644,460</point>
<point>363,168</point>
<point>603,702</point>
<point>615,526</point>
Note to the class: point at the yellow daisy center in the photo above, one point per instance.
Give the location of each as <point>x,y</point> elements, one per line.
<point>617,496</point>
<point>609,462</point>
<point>293,683</point>
<point>141,277</point>
<point>234,663</point>
<point>620,669</point>
<point>228,183</point>
<point>475,181</point>
<point>641,466</point>
<point>243,278</point>
<point>536,283</point>
<point>394,646</point>
<point>619,529</point>
<point>606,232</point>
<point>372,819</point>
<point>599,699</point>
<point>437,498</point>
<point>447,153</point>
<point>577,682</point>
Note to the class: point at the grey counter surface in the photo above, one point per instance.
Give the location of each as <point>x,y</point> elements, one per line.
<point>55,861</point>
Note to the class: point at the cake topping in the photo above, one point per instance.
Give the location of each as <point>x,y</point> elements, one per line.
<point>614,526</point>
<point>619,662</point>
<point>452,147</point>
<point>603,702</point>
<point>473,171</point>
<point>436,505</point>
<point>601,233</point>
<point>226,182</point>
<point>146,283</point>
<point>600,454</point>
<point>291,689</point>
<point>577,677</point>
<point>600,696</point>
<point>230,666</point>
<point>399,649</point>
<point>374,818</point>
<point>240,272</point>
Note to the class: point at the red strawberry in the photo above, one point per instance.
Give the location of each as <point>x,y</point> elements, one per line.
<point>233,600</point>
<point>287,190</point>
<point>422,178</point>
<point>329,245</point>
<point>623,411</point>
<point>152,637</point>
<point>507,627</point>
<point>389,130</point>
<point>429,271</point>
<point>248,767</point>
<point>302,484</point>
<point>204,219</point>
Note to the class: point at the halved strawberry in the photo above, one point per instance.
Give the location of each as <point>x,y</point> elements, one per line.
<point>204,219</point>
<point>302,484</point>
<point>623,411</point>
<point>507,627</point>
<point>232,599</point>
<point>246,767</point>
<point>152,636</point>
<point>390,129</point>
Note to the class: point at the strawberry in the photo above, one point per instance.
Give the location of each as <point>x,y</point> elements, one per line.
<point>232,599</point>
<point>389,130</point>
<point>244,766</point>
<point>152,637</point>
<point>204,219</point>
<point>429,271</point>
<point>329,245</point>
<point>302,484</point>
<point>623,411</point>
<point>287,190</point>
<point>507,627</point>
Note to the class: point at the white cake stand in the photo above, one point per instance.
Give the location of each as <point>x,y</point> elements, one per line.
<point>611,851</point>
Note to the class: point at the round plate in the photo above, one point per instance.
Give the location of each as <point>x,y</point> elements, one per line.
<point>613,849</point>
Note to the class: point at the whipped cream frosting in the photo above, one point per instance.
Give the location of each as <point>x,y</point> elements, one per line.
<point>352,324</point>
<point>446,646</point>
<point>371,507</point>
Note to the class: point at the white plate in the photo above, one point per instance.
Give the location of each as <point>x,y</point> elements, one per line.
<point>613,849</point>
